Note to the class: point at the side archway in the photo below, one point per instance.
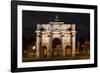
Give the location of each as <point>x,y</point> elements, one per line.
<point>68,50</point>
<point>44,51</point>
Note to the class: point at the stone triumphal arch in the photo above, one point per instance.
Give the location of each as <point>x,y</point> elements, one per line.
<point>54,38</point>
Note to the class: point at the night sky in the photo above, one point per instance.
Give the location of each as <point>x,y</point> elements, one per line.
<point>32,18</point>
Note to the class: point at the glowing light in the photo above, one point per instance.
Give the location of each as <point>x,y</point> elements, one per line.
<point>33,47</point>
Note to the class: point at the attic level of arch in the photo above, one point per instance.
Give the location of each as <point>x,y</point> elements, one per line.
<point>56,26</point>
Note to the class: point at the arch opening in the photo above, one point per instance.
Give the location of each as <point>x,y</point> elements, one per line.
<point>56,47</point>
<point>68,50</point>
<point>44,51</point>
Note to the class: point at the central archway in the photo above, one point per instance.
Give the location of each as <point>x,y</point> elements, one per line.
<point>56,47</point>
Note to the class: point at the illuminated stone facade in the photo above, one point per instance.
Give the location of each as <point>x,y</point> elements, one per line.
<point>50,37</point>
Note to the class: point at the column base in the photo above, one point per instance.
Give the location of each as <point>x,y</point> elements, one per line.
<point>73,54</point>
<point>37,55</point>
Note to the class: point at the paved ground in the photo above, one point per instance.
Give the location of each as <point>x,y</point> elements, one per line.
<point>77,57</point>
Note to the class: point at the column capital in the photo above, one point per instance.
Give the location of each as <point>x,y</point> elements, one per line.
<point>62,35</point>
